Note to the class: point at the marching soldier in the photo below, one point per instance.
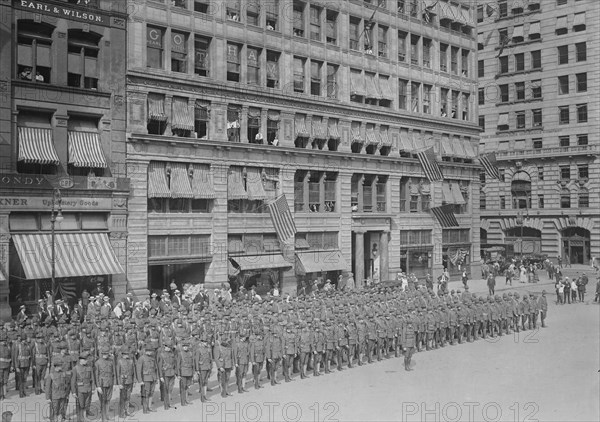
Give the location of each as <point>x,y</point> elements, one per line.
<point>318,347</point>
<point>225,362</point>
<point>274,354</point>
<point>126,377</point>
<point>21,362</point>
<point>82,386</point>
<point>408,342</point>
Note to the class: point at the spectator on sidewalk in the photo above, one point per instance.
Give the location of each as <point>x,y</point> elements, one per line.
<point>567,290</point>
<point>581,286</point>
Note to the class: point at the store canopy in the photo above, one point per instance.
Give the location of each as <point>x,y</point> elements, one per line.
<point>85,150</point>
<point>202,185</point>
<point>319,261</point>
<point>76,255</point>
<point>259,262</point>
<point>36,146</point>
<point>158,187</point>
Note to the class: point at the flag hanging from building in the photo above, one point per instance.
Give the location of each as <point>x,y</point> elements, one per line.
<point>488,161</point>
<point>430,166</point>
<point>283,221</point>
<point>445,216</point>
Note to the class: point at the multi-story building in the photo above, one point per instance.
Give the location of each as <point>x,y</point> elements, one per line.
<point>231,104</point>
<point>62,121</point>
<point>538,110</point>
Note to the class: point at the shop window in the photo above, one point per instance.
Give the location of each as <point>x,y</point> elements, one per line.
<point>202,55</point>
<point>155,47</point>
<point>34,46</point>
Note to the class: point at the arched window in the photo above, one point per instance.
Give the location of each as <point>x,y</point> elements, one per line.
<point>521,190</point>
<point>34,44</point>
<point>565,198</point>
<point>82,66</point>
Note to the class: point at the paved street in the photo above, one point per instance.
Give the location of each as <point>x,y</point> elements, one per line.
<point>546,375</point>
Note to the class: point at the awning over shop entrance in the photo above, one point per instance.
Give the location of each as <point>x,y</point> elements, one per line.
<point>259,262</point>
<point>76,254</point>
<point>319,261</point>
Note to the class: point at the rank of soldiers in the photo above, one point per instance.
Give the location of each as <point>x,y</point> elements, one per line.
<point>155,347</point>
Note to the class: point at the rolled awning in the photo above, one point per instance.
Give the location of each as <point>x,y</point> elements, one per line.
<point>235,185</point>
<point>561,22</point>
<point>333,130</point>
<point>300,125</point>
<point>457,194</point>
<point>385,89</point>
<point>202,185</point>
<point>579,19</point>
<point>372,87</point>
<point>518,32</point>
<point>156,108</point>
<point>357,84</point>
<point>182,118</point>
<point>319,261</point>
<point>180,181</point>
<point>85,150</point>
<point>259,262</point>
<point>36,146</point>
<point>158,187</point>
<point>254,185</point>
<point>76,254</point>
<point>447,196</point>
<point>447,148</point>
<point>371,137</point>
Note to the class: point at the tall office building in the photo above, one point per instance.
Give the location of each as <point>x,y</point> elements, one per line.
<point>538,110</point>
<point>62,124</point>
<point>232,104</point>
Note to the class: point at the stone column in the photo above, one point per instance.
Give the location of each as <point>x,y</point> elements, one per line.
<point>384,273</point>
<point>359,258</point>
<point>244,125</point>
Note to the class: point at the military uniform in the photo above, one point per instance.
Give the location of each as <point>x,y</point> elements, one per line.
<point>5,364</point>
<point>148,375</point>
<point>203,357</point>
<point>82,386</point>
<point>126,376</point>
<point>166,373</point>
<point>257,357</point>
<point>58,384</point>
<point>22,363</point>
<point>185,368</point>
<point>104,377</point>
<point>225,362</point>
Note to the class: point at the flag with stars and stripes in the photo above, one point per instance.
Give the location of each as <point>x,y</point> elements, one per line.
<point>445,216</point>
<point>430,165</point>
<point>282,218</point>
<point>488,161</point>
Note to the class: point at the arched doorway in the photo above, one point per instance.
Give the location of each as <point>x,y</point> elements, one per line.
<point>526,240</point>
<point>520,189</point>
<point>576,245</point>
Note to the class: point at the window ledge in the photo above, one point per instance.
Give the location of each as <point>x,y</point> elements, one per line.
<point>61,88</point>
<point>520,72</point>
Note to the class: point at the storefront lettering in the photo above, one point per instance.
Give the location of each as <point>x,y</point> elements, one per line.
<point>21,180</point>
<point>61,11</point>
<point>32,203</point>
<point>15,202</point>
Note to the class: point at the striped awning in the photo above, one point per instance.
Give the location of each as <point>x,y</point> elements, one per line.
<point>36,146</point>
<point>259,262</point>
<point>447,148</point>
<point>300,125</point>
<point>457,194</point>
<point>384,139</point>
<point>76,254</point>
<point>372,87</point>
<point>182,118</point>
<point>235,185</point>
<point>254,185</point>
<point>158,186</point>
<point>318,130</point>
<point>319,261</point>
<point>371,137</point>
<point>333,130</point>
<point>202,185</point>
<point>469,150</point>
<point>385,89</point>
<point>156,108</point>
<point>357,83</point>
<point>85,150</point>
<point>406,143</point>
<point>180,181</point>
<point>355,131</point>
<point>457,146</point>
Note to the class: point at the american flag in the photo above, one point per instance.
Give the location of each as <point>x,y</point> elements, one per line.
<point>430,166</point>
<point>445,216</point>
<point>488,161</point>
<point>283,221</point>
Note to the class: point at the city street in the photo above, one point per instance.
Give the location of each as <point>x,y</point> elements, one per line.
<point>546,375</point>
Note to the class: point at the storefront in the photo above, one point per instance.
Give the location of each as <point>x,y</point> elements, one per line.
<point>416,252</point>
<point>320,266</point>
<point>456,251</point>
<point>263,272</point>
<point>576,245</point>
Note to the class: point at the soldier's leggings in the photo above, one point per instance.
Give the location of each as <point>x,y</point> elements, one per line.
<point>351,354</point>
<point>21,373</point>
<point>82,403</point>
<point>370,346</point>
<point>273,369</point>
<point>303,363</point>
<point>184,384</point>
<point>240,375</point>
<point>58,408</point>
<point>39,375</point>
<point>104,399</point>
<point>256,369</point>
<point>328,356</point>
<point>523,321</point>
<point>287,366</point>
<point>224,379</point>
<point>317,362</point>
<point>125,399</point>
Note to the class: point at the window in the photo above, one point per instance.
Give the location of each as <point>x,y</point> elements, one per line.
<point>201,118</point>
<point>402,87</point>
<point>504,93</point>
<point>382,49</point>
<point>413,8</point>
<point>520,119</point>
<point>273,118</point>
<point>464,65</point>
<point>479,14</point>
<point>157,119</point>
<point>561,26</point>
<point>536,59</point>
<point>233,123</point>
<point>503,121</point>
<point>537,144</point>
<point>583,171</point>
<point>201,55</point>
<point>272,15</point>
<point>537,117</point>
<point>540,201</point>
<point>565,172</point>
<point>454,60</point>
<point>502,202</point>
<point>502,9</point>
<point>253,125</point>
<point>82,60</point>
<point>381,196</point>
<point>272,69</point>
<point>414,49</point>
<point>443,57</point>
<point>253,12</point>
<point>503,61</point>
<point>298,24</point>
<point>465,106</point>
<point>34,61</point>
<point>480,68</point>
<point>34,121</point>
<point>561,2</point>
<point>482,123</point>
<point>581,51</point>
<point>563,54</point>
<point>582,113</point>
<point>427,53</point>
<point>519,62</point>
<point>517,35</point>
<point>563,115</point>
<point>253,65</point>
<point>540,171</point>
<point>178,52</point>
<point>331,27</point>
<point>480,41</point>
<point>201,6</point>
<point>154,47</point>
<point>455,96</point>
<point>582,140</point>
<point>579,22</point>
<point>481,96</point>
<point>583,197</point>
<point>233,10</point>
<point>315,23</point>
<point>482,203</point>
<point>444,92</point>
<point>414,96</point>
<point>564,141</point>
<point>520,90</point>
<point>402,46</point>
<point>581,82</point>
<point>299,74</point>
<point>565,198</point>
<point>233,62</point>
<point>354,33</point>
<point>332,87</point>
<point>503,37</point>
<point>563,85</point>
<point>401,6</point>
<point>315,77</point>
<point>536,88</point>
<point>426,99</point>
